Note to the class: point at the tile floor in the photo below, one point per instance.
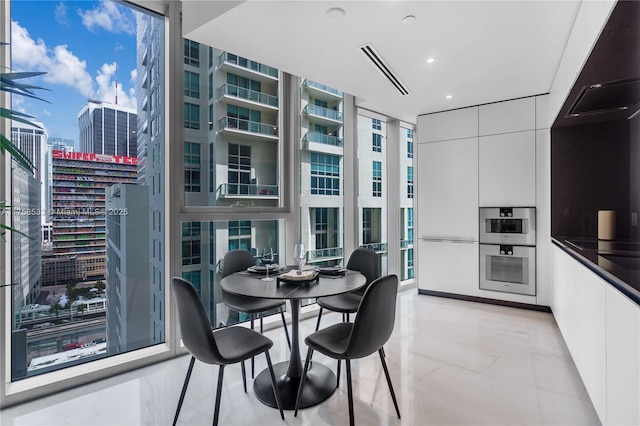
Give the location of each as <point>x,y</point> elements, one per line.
<point>451,362</point>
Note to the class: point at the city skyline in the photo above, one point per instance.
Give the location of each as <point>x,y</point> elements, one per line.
<point>76,69</point>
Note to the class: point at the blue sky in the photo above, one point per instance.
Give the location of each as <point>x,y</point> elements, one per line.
<point>78,44</point>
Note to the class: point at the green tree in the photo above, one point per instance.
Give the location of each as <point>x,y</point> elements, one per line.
<point>55,309</point>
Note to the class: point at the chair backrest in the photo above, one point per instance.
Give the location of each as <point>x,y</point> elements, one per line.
<point>194,324</point>
<point>366,262</point>
<point>375,318</point>
<point>236,261</point>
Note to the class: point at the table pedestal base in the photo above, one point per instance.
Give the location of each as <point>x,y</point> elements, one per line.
<point>320,384</point>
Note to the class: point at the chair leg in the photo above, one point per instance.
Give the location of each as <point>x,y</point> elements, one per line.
<point>274,385</point>
<point>383,353</point>
<point>218,394</point>
<point>302,380</point>
<point>286,330</point>
<point>338,375</point>
<point>261,329</point>
<point>350,392</point>
<point>244,376</point>
<point>184,389</point>
<point>386,373</point>
<point>253,365</point>
<point>347,317</point>
<point>319,317</point>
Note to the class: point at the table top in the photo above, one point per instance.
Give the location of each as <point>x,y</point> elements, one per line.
<point>250,284</point>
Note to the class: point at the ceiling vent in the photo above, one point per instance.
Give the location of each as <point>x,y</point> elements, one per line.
<point>605,97</point>
<point>372,54</point>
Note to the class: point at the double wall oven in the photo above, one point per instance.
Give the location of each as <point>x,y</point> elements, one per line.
<point>507,249</point>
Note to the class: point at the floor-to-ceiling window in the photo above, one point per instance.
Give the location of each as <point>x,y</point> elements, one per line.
<point>99,286</point>
<point>372,193</point>
<point>240,145</point>
<point>406,192</point>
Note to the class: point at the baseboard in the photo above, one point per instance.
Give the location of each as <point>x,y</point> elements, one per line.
<point>487,300</point>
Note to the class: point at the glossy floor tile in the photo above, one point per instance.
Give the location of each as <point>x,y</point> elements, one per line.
<point>451,362</point>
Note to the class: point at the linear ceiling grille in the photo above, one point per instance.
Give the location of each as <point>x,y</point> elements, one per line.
<point>371,53</point>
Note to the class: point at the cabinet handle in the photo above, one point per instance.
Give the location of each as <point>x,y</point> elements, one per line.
<point>449,240</point>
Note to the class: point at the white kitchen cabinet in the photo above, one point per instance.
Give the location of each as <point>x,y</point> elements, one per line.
<point>450,267</point>
<point>579,307</point>
<point>455,124</point>
<point>447,189</point>
<point>507,170</point>
<point>507,117</point>
<point>623,359</point>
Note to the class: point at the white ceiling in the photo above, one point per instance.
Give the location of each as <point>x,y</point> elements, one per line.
<point>484,51</point>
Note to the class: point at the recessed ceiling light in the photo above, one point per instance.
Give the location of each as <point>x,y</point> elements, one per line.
<point>409,19</point>
<point>430,60</point>
<point>449,96</point>
<point>335,14</point>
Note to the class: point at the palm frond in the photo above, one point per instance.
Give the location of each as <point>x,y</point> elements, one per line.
<point>19,156</point>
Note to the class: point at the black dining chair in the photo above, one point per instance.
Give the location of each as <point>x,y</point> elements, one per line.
<point>237,261</point>
<point>370,330</point>
<point>364,261</point>
<point>221,347</point>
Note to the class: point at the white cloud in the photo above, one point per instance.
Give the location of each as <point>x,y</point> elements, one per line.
<point>47,112</point>
<point>26,52</point>
<point>60,64</point>
<point>69,70</point>
<point>107,88</point>
<point>134,76</point>
<point>61,14</point>
<point>110,17</point>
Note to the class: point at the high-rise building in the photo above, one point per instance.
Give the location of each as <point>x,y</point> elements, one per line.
<point>108,129</point>
<point>127,278</point>
<point>32,140</point>
<point>26,245</point>
<point>321,170</point>
<point>62,144</point>
<point>231,123</point>
<point>151,160</point>
<point>78,216</point>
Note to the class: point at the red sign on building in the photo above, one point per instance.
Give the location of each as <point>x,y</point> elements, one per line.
<point>87,156</point>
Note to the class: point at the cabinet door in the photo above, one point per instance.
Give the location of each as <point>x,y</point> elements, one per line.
<point>447,189</point>
<point>623,359</point>
<point>506,117</point>
<point>448,267</point>
<point>507,170</point>
<point>456,124</point>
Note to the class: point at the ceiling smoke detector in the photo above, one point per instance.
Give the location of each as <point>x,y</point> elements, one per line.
<point>372,54</point>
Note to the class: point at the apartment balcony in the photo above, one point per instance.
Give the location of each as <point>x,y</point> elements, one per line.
<point>246,68</point>
<point>324,255</point>
<point>319,142</point>
<point>247,191</point>
<point>406,244</point>
<point>237,95</point>
<point>244,128</point>
<point>377,247</point>
<point>322,115</point>
<point>320,91</point>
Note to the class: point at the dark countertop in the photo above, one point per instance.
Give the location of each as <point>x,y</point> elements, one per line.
<point>617,262</point>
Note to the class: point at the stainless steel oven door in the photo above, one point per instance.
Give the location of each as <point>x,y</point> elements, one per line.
<point>508,225</point>
<point>507,268</point>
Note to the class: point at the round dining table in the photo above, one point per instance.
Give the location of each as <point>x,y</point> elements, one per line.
<point>321,381</point>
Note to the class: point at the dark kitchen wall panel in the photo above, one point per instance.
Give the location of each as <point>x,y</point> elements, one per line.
<point>634,167</point>
<point>590,171</point>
